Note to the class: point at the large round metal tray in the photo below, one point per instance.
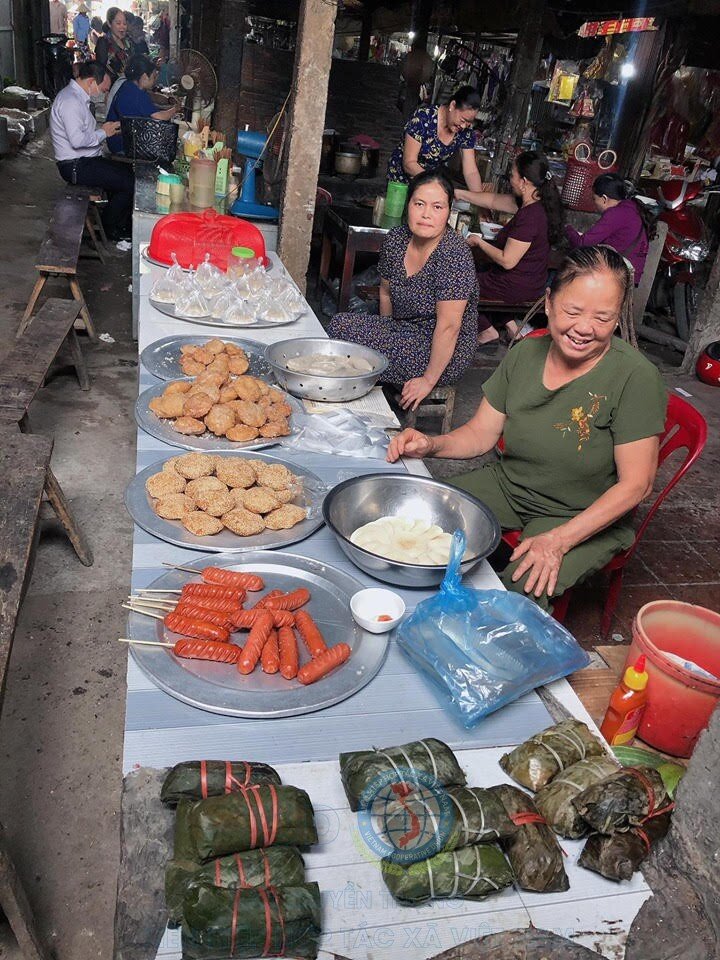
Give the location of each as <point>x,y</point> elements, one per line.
<point>169,310</point>
<point>145,254</point>
<point>162,358</point>
<point>324,388</point>
<point>208,442</point>
<point>313,493</point>
<point>220,688</point>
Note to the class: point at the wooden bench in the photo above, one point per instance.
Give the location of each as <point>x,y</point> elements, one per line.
<point>25,368</point>
<point>94,226</point>
<point>60,251</point>
<point>25,462</point>
<point>440,402</point>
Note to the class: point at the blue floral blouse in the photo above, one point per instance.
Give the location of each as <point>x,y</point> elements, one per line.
<point>423,127</point>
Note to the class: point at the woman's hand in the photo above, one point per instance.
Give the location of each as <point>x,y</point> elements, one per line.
<point>409,443</point>
<point>474,240</point>
<point>414,392</point>
<point>542,556</point>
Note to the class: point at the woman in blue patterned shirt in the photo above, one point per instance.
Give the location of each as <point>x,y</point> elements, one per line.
<point>434,134</point>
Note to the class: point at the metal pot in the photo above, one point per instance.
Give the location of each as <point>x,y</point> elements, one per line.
<point>369,161</point>
<point>347,162</point>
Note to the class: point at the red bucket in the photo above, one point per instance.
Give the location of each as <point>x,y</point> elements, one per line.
<point>680,703</point>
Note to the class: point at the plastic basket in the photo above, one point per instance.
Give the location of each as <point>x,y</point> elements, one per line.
<point>582,171</point>
<point>148,139</point>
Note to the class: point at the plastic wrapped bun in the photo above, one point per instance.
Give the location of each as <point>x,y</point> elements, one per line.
<point>273,312</point>
<point>222,303</point>
<point>191,303</point>
<point>210,280</point>
<point>175,274</point>
<point>164,289</point>
<point>240,313</point>
<point>256,281</point>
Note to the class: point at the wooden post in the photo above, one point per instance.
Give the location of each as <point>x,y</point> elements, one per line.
<point>527,54</point>
<point>707,323</point>
<point>306,124</point>
<point>229,70</point>
<point>365,35</point>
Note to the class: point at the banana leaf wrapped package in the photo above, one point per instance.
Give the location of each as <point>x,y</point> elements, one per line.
<point>253,922</point>
<point>617,856</point>
<point>430,759</point>
<point>534,853</point>
<point>183,846</point>
<point>472,873</point>
<point>540,759</point>
<point>258,817</point>
<point>554,800</point>
<point>200,779</point>
<point>273,867</point>
<point>466,815</point>
<point>623,800</point>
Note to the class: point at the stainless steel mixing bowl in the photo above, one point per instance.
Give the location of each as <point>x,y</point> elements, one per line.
<point>360,500</point>
<point>333,389</point>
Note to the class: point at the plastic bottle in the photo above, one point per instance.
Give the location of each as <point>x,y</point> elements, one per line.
<point>626,705</point>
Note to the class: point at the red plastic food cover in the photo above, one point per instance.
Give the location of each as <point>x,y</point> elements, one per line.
<point>191,235</point>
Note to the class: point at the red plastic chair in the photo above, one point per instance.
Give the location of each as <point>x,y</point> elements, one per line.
<point>685,429</point>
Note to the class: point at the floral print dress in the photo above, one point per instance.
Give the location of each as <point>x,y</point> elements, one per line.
<point>423,127</point>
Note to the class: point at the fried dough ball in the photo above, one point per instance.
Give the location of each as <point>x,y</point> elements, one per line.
<point>191,367</point>
<point>273,475</point>
<point>284,496</point>
<point>241,433</point>
<point>204,486</point>
<point>197,405</point>
<point>216,504</point>
<point>239,365</point>
<point>276,411</point>
<point>233,350</point>
<point>210,377</point>
<point>235,472</point>
<point>251,414</point>
<point>174,506</point>
<point>220,419</point>
<point>200,524</point>
<point>202,355</point>
<point>221,364</point>
<point>177,386</point>
<point>215,346</point>
<point>186,349</point>
<point>258,500</point>
<point>164,483</point>
<point>169,465</point>
<point>262,387</point>
<point>275,428</point>
<point>285,517</point>
<point>247,388</point>
<point>195,465</point>
<point>227,394</point>
<point>243,523</point>
<point>274,395</point>
<point>156,405</point>
<point>170,407</point>
<point>188,426</point>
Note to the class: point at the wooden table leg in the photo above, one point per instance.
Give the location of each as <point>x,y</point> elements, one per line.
<point>78,360</point>
<point>17,909</point>
<point>93,237</point>
<point>37,290</point>
<point>64,515</point>
<point>347,275</point>
<point>84,312</point>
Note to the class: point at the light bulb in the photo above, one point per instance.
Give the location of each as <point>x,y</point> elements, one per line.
<point>627,70</point>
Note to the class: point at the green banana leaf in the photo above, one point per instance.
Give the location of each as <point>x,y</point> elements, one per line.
<point>622,800</point>
<point>432,758</point>
<point>671,773</point>
<point>246,923</point>
<point>185,780</point>
<point>275,866</point>
<point>619,855</point>
<point>540,759</point>
<point>553,800</point>
<point>533,852</point>
<point>183,846</point>
<point>472,873</point>
<point>259,817</point>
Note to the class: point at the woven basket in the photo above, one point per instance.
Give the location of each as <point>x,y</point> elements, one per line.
<point>148,139</point>
<point>577,191</point>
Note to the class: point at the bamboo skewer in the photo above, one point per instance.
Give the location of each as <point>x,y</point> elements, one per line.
<point>147,590</point>
<point>146,643</point>
<point>153,603</point>
<point>176,566</point>
<point>145,613</point>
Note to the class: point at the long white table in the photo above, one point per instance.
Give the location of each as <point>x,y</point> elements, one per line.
<point>360,920</point>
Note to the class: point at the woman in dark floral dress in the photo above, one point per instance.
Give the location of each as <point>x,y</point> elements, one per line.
<point>427,326</point>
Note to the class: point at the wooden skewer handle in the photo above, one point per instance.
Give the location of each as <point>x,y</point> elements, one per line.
<point>146,643</point>
<point>145,613</point>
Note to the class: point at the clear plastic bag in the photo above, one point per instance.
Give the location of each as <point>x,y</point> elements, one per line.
<point>485,648</point>
<point>190,301</point>
<point>269,310</point>
<point>164,290</point>
<point>176,274</point>
<point>210,280</point>
<point>222,303</point>
<point>256,281</point>
<point>240,313</point>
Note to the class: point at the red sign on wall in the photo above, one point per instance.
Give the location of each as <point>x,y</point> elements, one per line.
<point>607,28</point>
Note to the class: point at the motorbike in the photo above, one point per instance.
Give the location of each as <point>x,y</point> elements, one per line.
<point>681,272</point>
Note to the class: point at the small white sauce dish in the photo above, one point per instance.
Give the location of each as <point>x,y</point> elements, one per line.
<point>367,605</point>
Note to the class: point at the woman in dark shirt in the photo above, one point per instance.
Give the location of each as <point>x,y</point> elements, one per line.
<point>133,99</point>
<point>428,298</point>
<point>519,254</point>
<point>114,48</point>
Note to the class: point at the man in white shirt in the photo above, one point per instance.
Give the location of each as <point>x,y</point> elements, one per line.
<point>58,17</point>
<point>78,144</point>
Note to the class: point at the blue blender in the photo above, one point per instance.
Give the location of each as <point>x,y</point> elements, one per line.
<point>250,145</point>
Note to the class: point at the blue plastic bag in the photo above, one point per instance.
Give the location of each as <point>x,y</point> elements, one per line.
<point>485,648</point>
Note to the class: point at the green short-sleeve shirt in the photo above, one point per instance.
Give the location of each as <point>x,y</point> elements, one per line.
<point>559,444</point>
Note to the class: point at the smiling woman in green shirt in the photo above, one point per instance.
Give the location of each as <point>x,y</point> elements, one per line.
<point>580,412</point>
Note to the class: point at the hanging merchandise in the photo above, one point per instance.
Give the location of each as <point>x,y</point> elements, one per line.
<point>564,81</point>
<point>583,106</point>
<point>582,170</point>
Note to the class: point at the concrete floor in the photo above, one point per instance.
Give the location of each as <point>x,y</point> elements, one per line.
<point>62,721</point>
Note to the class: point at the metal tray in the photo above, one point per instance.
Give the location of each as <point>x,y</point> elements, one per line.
<point>162,358</point>
<point>169,310</point>
<point>145,254</point>
<point>219,688</point>
<point>208,442</point>
<point>140,509</point>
